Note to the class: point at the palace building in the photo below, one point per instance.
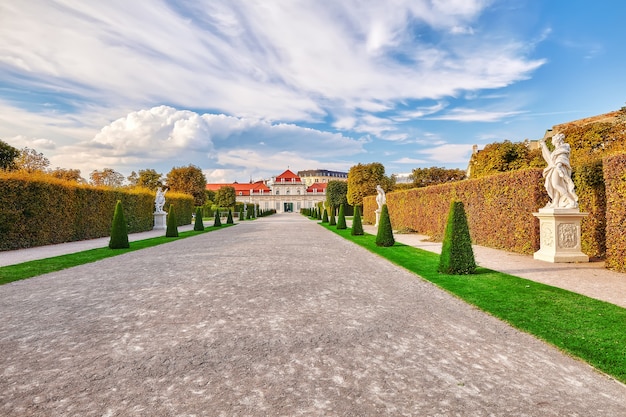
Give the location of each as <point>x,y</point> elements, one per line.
<point>284,193</point>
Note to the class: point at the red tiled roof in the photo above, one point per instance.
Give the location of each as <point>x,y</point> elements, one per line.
<point>242,189</point>
<point>288,176</point>
<point>319,186</point>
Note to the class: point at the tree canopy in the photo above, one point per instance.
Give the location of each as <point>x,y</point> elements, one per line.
<point>189,180</point>
<point>225,196</point>
<point>108,177</point>
<point>146,178</point>
<point>30,160</point>
<point>337,193</point>
<point>505,156</point>
<point>67,174</point>
<point>423,177</point>
<point>363,179</point>
<point>7,156</point>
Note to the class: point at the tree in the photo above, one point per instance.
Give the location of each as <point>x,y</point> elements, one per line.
<point>172,223</point>
<point>67,174</point>
<point>30,160</point>
<point>189,180</point>
<point>341,219</point>
<point>336,193</point>
<point>198,225</point>
<point>225,196</point>
<point>423,177</point>
<point>384,236</point>
<point>108,177</point>
<point>119,230</point>
<point>8,154</point>
<point>363,179</point>
<point>357,225</point>
<point>504,156</point>
<point>457,256</point>
<point>146,178</point>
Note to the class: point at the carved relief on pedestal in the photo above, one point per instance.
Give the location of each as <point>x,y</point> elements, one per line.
<point>568,235</point>
<point>547,235</point>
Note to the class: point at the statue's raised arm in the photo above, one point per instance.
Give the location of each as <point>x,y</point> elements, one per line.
<point>558,174</point>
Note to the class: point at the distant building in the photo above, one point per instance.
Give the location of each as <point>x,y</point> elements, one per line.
<point>283,193</point>
<point>313,176</point>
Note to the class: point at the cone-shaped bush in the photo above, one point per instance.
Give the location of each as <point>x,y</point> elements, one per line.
<point>384,237</point>
<point>119,230</point>
<point>229,219</point>
<point>319,213</point>
<point>341,220</point>
<point>325,216</point>
<point>457,256</point>
<point>332,221</point>
<point>218,221</point>
<point>241,215</point>
<point>172,226</point>
<point>357,225</point>
<point>198,226</point>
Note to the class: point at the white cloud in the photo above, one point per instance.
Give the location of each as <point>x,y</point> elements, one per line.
<point>475,115</point>
<point>406,160</point>
<point>449,153</point>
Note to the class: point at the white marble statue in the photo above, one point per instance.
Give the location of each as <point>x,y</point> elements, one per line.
<point>558,174</point>
<point>159,201</point>
<point>380,200</point>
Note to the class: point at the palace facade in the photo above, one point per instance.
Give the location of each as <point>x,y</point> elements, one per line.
<point>284,193</point>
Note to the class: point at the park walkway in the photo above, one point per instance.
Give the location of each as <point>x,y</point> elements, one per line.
<point>273,317</point>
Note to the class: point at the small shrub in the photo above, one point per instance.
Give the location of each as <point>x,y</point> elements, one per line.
<point>457,256</point>
<point>325,216</point>
<point>229,219</point>
<point>198,225</point>
<point>172,224</point>
<point>332,221</point>
<point>357,225</point>
<point>241,215</point>
<point>119,230</point>
<point>384,237</point>
<point>341,220</point>
<point>217,222</point>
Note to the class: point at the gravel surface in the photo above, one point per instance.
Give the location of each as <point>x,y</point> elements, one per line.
<point>276,317</point>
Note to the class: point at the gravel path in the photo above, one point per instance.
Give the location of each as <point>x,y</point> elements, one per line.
<point>276,317</point>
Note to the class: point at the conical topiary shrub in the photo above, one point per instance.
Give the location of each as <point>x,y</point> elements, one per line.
<point>229,219</point>
<point>217,222</point>
<point>332,221</point>
<point>341,220</point>
<point>198,226</point>
<point>325,216</point>
<point>172,224</point>
<point>457,256</point>
<point>241,215</point>
<point>384,237</point>
<point>357,225</point>
<point>119,230</point>
<point>319,213</point>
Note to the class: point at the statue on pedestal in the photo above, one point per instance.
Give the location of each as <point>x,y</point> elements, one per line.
<point>380,200</point>
<point>159,201</point>
<point>558,174</point>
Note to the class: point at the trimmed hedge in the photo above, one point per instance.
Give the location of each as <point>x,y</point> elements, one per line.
<point>457,255</point>
<point>615,181</point>
<point>37,210</point>
<point>499,209</point>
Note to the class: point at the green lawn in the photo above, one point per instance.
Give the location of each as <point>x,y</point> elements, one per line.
<point>591,330</point>
<point>42,266</point>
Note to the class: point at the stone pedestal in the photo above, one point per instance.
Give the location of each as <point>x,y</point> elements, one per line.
<point>160,221</point>
<point>560,235</point>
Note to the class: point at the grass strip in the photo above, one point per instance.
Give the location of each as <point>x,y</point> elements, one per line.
<point>31,269</point>
<point>583,327</point>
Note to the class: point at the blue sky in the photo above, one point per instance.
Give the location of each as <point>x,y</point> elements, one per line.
<point>244,89</point>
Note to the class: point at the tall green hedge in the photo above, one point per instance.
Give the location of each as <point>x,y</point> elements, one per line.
<point>499,209</point>
<point>39,210</point>
<point>615,180</point>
